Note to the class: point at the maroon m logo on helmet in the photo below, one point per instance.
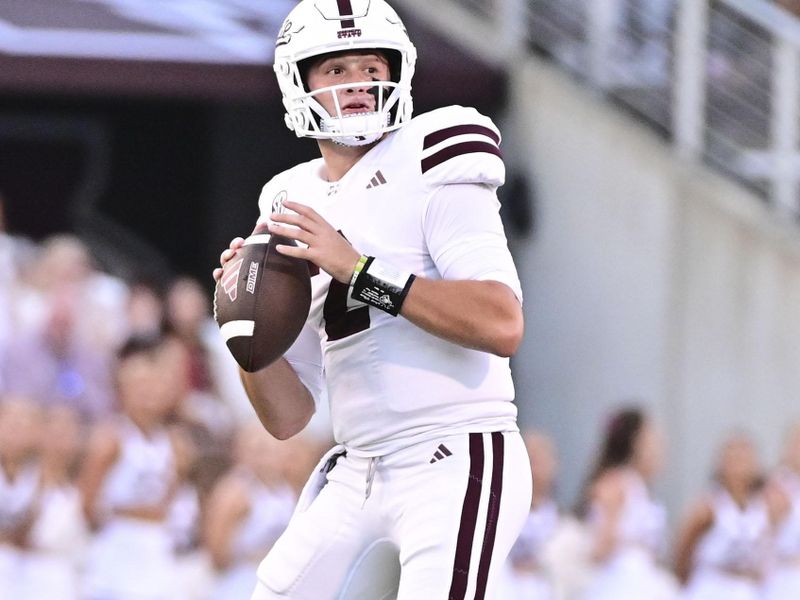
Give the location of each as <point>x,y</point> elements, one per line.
<point>230,279</point>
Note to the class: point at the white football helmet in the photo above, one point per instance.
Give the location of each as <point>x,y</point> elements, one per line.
<point>318,27</point>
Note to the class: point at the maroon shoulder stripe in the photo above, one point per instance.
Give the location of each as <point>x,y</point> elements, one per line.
<point>346,10</point>
<point>439,136</point>
<point>492,514</point>
<point>455,150</point>
<point>469,518</point>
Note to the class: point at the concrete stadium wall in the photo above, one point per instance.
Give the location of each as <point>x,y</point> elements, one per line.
<point>646,279</point>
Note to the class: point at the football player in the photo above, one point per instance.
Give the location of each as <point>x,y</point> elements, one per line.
<point>416,307</point>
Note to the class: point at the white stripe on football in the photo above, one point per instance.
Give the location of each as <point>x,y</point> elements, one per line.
<point>233,329</point>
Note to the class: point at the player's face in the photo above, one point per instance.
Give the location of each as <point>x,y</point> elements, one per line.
<point>351,67</point>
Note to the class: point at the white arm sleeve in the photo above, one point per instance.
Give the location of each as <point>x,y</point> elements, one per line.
<point>305,356</point>
<point>465,235</point>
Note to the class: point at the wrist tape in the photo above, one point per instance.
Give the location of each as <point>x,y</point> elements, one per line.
<point>380,285</point>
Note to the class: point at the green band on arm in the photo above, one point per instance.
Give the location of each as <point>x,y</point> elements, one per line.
<point>362,260</point>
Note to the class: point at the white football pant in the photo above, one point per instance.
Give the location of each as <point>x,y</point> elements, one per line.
<point>434,521</point>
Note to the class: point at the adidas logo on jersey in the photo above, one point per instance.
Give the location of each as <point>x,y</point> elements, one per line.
<point>442,452</point>
<point>377,180</point>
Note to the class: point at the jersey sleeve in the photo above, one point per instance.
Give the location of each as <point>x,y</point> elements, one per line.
<point>460,145</point>
<point>465,235</point>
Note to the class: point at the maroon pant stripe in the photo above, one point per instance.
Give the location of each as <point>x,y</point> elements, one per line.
<point>469,518</point>
<point>492,515</point>
<point>457,150</point>
<point>346,10</point>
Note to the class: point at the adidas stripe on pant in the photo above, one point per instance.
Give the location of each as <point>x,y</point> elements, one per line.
<point>435,521</point>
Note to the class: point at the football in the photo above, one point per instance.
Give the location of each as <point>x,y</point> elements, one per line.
<point>261,301</point>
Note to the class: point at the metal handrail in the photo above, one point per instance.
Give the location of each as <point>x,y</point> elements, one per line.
<point>692,112</point>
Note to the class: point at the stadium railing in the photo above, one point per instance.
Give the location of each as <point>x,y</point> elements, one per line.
<point>720,79</point>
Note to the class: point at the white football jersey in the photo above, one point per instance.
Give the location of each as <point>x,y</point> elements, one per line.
<point>424,201</point>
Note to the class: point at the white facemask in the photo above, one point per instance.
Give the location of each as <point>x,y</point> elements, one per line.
<point>349,128</point>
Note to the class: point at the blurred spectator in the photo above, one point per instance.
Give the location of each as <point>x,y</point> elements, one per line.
<point>71,319</point>
<point>783,577</point>
<point>306,450</point>
<point>628,526</point>
<point>97,300</point>
<point>193,571</point>
<point>213,374</point>
<point>132,472</point>
<point>145,310</point>
<point>69,369</point>
<point>59,533</point>
<point>548,560</point>
<point>198,408</point>
<point>723,542</point>
<point>210,430</point>
<point>248,510</point>
<point>208,456</point>
<point>19,487</point>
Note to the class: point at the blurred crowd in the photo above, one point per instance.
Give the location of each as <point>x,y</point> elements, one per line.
<point>739,539</point>
<point>131,466</point>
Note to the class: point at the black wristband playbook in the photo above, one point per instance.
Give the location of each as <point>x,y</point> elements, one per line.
<point>380,285</point>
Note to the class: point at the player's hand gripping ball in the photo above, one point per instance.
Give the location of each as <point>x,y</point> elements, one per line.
<point>261,301</point>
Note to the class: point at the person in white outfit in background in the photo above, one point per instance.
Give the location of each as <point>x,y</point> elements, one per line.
<point>128,483</point>
<point>248,509</point>
<point>782,581</point>
<point>549,560</point>
<point>59,533</point>
<point>628,526</point>
<point>20,476</point>
<point>723,542</point>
